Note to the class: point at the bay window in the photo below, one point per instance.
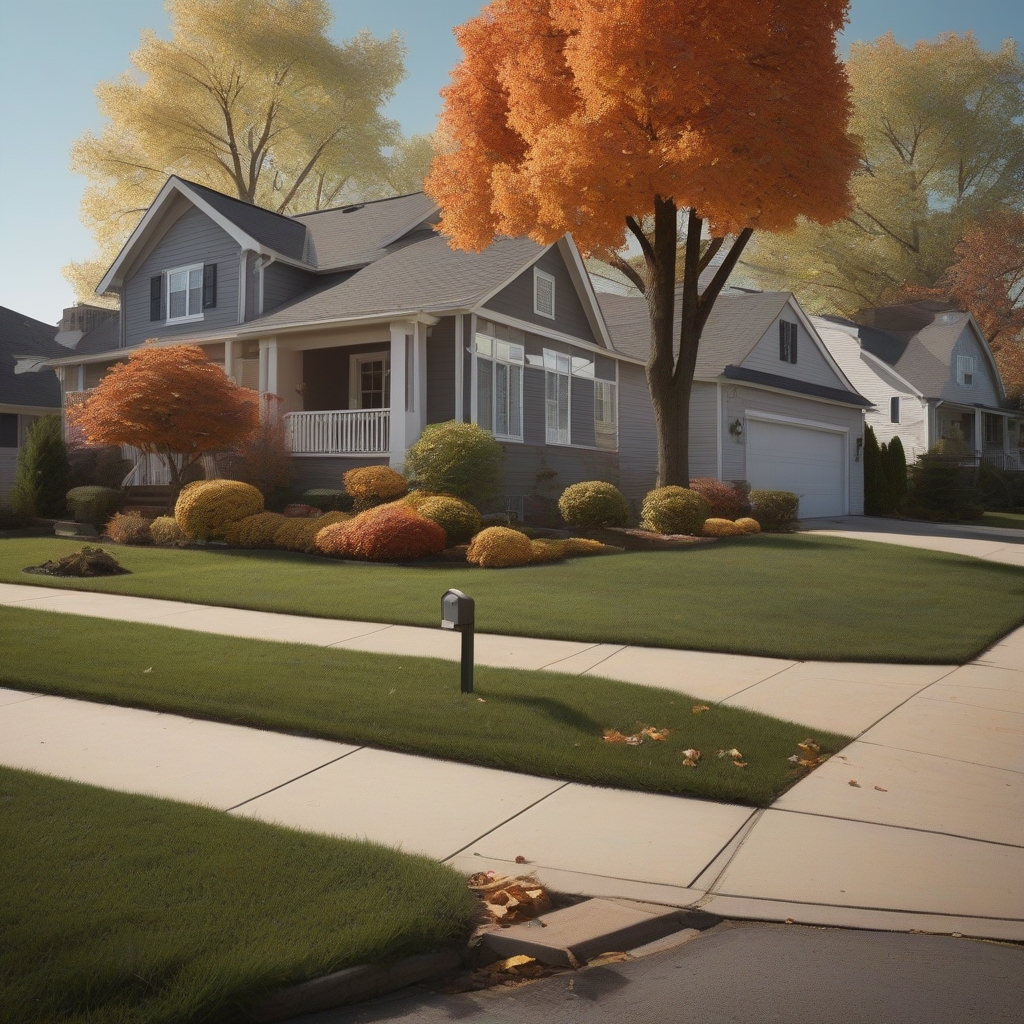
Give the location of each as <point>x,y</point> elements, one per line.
<point>556,396</point>
<point>500,356</point>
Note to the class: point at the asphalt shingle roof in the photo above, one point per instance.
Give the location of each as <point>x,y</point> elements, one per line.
<point>100,339</point>
<point>20,335</point>
<point>916,339</point>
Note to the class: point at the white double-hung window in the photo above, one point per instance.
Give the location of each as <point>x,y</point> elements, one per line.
<point>556,396</point>
<point>500,355</point>
<point>185,293</point>
<point>606,419</point>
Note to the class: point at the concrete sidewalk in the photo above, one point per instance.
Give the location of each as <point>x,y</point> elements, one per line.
<point>838,696</point>
<point>992,543</point>
<point>918,824</point>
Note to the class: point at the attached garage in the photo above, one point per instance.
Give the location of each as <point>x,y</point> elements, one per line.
<point>808,460</point>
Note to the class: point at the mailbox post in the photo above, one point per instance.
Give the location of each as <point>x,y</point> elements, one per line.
<point>457,612</point>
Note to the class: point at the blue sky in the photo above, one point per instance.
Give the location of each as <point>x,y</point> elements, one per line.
<point>53,52</point>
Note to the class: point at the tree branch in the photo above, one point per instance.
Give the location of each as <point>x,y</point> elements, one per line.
<point>707,300</point>
<point>627,270</point>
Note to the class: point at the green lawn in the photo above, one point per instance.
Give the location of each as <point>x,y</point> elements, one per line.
<point>1006,520</point>
<point>118,908</point>
<point>800,596</point>
<point>541,723</point>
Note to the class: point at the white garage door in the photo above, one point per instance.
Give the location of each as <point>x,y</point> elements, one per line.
<point>784,457</point>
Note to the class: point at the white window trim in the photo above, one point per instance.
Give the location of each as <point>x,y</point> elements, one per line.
<point>568,395</point>
<point>354,360</point>
<point>965,365</point>
<point>614,385</point>
<point>189,317</point>
<point>494,360</point>
<point>540,275</point>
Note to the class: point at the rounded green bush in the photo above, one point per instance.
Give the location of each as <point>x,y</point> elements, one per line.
<point>94,504</point>
<point>456,517</point>
<point>593,504</point>
<point>674,510</point>
<point>775,511</point>
<point>207,509</point>
<point>461,459</point>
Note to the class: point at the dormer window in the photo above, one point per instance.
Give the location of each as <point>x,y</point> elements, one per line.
<point>965,371</point>
<point>787,341</point>
<point>181,294</point>
<point>543,294</point>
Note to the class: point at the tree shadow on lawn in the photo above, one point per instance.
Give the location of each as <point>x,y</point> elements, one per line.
<point>558,712</point>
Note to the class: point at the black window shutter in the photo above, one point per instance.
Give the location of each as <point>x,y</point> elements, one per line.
<point>792,343</point>
<point>155,288</point>
<point>783,340</point>
<point>210,286</point>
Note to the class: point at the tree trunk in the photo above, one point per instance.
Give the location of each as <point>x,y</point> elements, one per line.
<point>670,368</point>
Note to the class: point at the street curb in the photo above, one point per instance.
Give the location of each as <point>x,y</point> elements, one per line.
<point>350,985</point>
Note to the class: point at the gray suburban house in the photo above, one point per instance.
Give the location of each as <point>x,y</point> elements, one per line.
<point>361,325</point>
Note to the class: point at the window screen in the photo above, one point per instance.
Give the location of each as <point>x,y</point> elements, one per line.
<point>543,293</point>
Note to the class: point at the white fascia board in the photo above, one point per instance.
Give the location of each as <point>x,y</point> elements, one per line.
<point>550,332</point>
<point>816,338</point>
<point>140,235</point>
<point>585,288</point>
<point>993,366</point>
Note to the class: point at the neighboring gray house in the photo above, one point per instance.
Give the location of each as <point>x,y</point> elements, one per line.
<point>24,397</point>
<point>367,326</point>
<point>928,370</point>
<point>769,403</point>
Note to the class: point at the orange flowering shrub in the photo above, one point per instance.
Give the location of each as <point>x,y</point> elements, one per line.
<point>388,533</point>
<point>500,547</point>
<point>371,485</point>
<point>129,528</point>
<point>721,528</point>
<point>725,501</point>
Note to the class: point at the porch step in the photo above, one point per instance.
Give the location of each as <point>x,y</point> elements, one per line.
<point>150,501</point>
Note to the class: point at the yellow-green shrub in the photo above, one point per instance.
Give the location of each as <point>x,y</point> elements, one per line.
<point>206,509</point>
<point>128,528</point>
<point>748,525</point>
<point>165,531</point>
<point>545,550</point>
<point>593,504</point>
<point>674,510</point>
<point>499,547</point>
<point>721,528</point>
<point>300,534</point>
<point>255,531</point>
<point>372,485</point>
<point>585,546</point>
<point>456,517</point>
<point>456,458</point>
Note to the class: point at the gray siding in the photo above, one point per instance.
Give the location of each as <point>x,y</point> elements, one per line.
<point>533,406</point>
<point>95,372</point>
<point>193,238</point>
<point>638,446</point>
<point>704,427</point>
<point>810,366</point>
<point>984,391</point>
<point>539,473</point>
<point>441,371</point>
<point>327,470</point>
<point>467,368</point>
<point>517,299</point>
<point>282,283</point>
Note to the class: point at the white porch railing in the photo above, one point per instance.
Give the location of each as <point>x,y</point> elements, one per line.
<point>339,431</point>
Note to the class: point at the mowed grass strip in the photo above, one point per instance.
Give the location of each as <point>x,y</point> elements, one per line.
<point>121,908</point>
<point>800,597</point>
<point>539,723</point>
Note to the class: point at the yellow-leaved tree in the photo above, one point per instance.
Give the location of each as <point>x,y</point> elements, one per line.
<point>942,150</point>
<point>252,98</point>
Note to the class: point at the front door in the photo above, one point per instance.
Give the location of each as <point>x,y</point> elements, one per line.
<point>370,381</point>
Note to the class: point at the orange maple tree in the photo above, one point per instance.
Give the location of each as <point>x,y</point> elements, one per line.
<point>640,119</point>
<point>169,401</point>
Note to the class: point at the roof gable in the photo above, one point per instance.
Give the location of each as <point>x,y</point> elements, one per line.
<point>22,335</point>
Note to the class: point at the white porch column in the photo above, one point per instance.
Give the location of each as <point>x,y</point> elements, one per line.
<point>408,387</point>
<point>229,359</point>
<point>268,365</point>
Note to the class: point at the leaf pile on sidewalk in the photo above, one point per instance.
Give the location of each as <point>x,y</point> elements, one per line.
<point>508,898</point>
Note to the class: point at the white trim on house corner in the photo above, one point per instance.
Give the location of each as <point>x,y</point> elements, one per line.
<point>592,306</point>
<point>243,260</point>
<point>544,331</point>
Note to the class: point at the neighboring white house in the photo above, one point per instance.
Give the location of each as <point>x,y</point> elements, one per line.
<point>928,371</point>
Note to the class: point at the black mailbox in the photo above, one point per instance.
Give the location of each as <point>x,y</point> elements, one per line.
<point>456,610</point>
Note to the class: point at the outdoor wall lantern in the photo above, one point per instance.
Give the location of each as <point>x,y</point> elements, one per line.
<point>736,429</point>
<point>458,613</point>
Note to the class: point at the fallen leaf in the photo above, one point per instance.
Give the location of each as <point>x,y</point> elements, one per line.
<point>789,920</point>
<point>145,670</point>
<point>573,962</point>
<point>700,708</point>
<point>608,958</point>
<point>810,746</point>
<point>500,966</point>
<point>520,859</point>
<point>655,734</point>
<point>854,783</point>
<point>795,759</point>
<point>614,736</point>
<point>690,758</point>
<point>482,701</point>
<point>740,764</point>
<point>880,790</point>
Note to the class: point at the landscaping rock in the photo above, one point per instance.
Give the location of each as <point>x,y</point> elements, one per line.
<point>68,528</point>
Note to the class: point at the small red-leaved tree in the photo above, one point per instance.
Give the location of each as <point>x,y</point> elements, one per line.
<point>171,402</point>
<point>607,118</point>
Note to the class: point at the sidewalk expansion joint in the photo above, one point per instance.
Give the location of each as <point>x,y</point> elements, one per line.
<point>909,698</point>
<point>944,757</point>
<point>742,832</point>
<point>773,675</point>
<point>557,661</point>
<point>334,760</point>
<point>501,824</point>
<point>971,704</point>
<point>904,828</point>
<point>359,636</point>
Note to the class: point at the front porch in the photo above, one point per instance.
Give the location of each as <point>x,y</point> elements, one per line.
<point>995,437</point>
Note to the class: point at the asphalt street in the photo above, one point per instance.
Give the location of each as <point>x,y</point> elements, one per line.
<point>749,973</point>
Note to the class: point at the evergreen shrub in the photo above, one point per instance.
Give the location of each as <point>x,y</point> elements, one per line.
<point>593,504</point>
<point>775,511</point>
<point>748,525</point>
<point>94,504</point>
<point>370,486</point>
<point>674,510</point>
<point>456,517</point>
<point>461,459</point>
<point>42,475</point>
<point>300,534</point>
<point>716,527</point>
